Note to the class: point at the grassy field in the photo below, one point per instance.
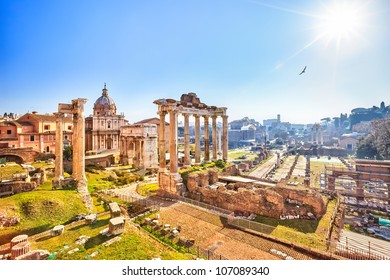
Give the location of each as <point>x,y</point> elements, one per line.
<point>134,245</point>
<point>39,211</point>
<point>147,189</point>
<point>236,154</point>
<point>306,232</point>
<point>316,168</point>
<point>7,171</point>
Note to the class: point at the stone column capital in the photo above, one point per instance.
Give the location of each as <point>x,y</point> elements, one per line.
<point>162,113</point>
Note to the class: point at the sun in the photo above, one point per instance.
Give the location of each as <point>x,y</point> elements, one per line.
<point>341,23</point>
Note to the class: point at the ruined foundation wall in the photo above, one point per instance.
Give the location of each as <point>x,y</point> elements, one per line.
<point>245,198</point>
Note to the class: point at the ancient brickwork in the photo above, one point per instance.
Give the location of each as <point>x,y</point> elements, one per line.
<point>246,198</point>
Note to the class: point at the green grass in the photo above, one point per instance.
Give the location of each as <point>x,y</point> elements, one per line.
<point>39,211</point>
<point>132,245</point>
<point>148,189</point>
<point>98,181</point>
<point>299,225</point>
<point>7,171</point>
<point>42,164</point>
<point>306,232</point>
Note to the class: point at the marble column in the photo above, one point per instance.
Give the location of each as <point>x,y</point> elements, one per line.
<point>59,165</point>
<point>79,160</point>
<point>197,139</point>
<point>173,141</point>
<point>225,137</point>
<point>161,141</point>
<point>206,139</point>
<point>75,150</point>
<point>187,159</point>
<point>214,135</point>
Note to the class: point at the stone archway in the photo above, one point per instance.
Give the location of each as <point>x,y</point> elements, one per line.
<point>13,158</point>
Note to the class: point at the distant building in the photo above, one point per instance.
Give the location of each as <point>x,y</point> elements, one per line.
<point>349,141</point>
<point>156,121</point>
<point>33,130</point>
<point>245,132</point>
<point>103,127</point>
<point>139,145</point>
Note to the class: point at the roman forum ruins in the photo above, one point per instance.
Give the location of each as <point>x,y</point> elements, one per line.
<point>316,133</point>
<point>189,105</point>
<point>138,145</point>
<point>76,109</point>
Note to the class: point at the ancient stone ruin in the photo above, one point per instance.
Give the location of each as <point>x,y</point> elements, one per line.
<point>248,198</point>
<point>76,109</point>
<point>189,105</point>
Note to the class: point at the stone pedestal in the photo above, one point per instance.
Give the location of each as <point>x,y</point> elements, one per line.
<point>18,239</point>
<point>170,185</point>
<point>20,249</point>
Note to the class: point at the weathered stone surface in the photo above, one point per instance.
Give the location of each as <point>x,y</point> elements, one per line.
<point>231,170</point>
<point>204,179</point>
<point>245,198</point>
<point>34,255</point>
<point>17,187</point>
<point>307,197</point>
<point>245,202</point>
<point>213,176</point>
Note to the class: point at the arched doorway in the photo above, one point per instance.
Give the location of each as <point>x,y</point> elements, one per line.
<point>13,158</point>
<point>109,143</point>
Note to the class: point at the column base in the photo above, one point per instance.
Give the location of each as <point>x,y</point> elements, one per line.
<point>57,183</point>
<point>170,184</point>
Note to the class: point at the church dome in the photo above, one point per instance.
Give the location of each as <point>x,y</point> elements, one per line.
<point>104,105</point>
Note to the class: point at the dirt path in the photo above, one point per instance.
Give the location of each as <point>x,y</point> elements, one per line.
<point>208,232</point>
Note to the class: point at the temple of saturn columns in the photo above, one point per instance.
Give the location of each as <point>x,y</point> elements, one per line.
<point>76,109</point>
<point>189,104</point>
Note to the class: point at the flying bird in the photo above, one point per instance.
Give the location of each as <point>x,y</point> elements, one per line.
<point>303,71</point>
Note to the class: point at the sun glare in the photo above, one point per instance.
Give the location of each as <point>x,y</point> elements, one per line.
<point>341,22</point>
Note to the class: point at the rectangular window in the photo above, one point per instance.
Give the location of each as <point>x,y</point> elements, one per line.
<point>9,131</point>
<point>32,138</point>
<point>69,127</point>
<point>46,127</point>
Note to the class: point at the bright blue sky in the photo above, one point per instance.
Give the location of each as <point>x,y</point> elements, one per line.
<point>241,54</point>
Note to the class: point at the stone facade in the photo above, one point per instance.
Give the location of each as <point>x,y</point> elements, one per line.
<point>35,131</point>
<point>103,127</point>
<point>139,145</point>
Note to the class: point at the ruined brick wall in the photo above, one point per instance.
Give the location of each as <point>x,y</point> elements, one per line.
<point>243,201</point>
<point>245,198</point>
<point>17,186</point>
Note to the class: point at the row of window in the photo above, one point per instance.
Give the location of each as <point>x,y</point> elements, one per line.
<point>8,131</point>
<point>47,127</point>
